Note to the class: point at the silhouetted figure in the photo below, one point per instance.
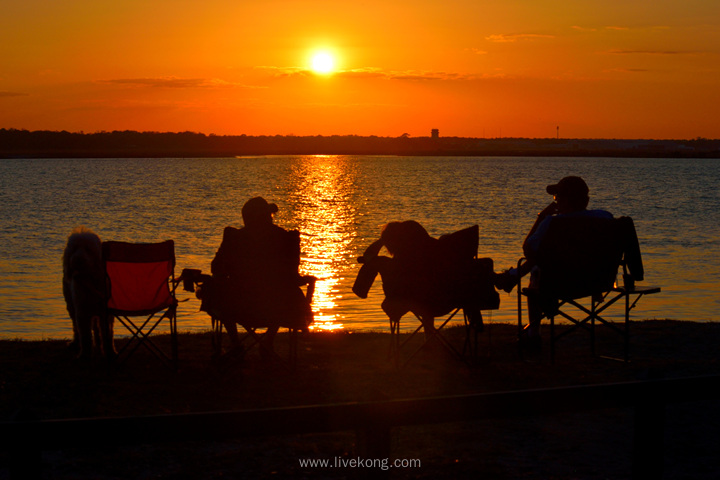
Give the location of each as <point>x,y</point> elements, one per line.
<point>571,197</point>
<point>83,287</point>
<point>408,275</point>
<point>255,273</point>
<point>428,276</point>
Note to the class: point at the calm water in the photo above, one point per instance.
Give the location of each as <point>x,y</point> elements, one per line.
<point>339,203</point>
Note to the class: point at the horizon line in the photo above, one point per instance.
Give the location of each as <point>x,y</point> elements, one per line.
<point>404,135</point>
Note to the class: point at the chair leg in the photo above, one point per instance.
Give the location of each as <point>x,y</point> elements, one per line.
<point>552,339</point>
<point>627,327</point>
<point>293,338</point>
<point>142,337</point>
<point>593,316</point>
<point>519,321</point>
<point>394,350</point>
<point>216,337</point>
<point>174,340</point>
<point>470,347</point>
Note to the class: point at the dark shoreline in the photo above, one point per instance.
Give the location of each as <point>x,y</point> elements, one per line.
<point>129,144</point>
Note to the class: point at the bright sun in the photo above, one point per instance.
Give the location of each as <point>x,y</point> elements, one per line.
<point>323,63</point>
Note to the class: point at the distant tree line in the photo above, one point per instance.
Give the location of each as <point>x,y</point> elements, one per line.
<point>53,144</point>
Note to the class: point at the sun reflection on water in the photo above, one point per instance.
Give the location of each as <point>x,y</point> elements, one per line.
<point>321,204</point>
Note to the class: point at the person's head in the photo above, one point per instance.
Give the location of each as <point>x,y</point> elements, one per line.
<point>257,211</point>
<point>403,236</point>
<point>571,194</point>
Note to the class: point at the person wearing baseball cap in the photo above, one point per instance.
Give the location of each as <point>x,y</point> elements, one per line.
<point>257,268</point>
<point>257,211</point>
<point>570,199</point>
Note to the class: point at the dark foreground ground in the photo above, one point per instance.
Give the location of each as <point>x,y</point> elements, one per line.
<point>41,380</point>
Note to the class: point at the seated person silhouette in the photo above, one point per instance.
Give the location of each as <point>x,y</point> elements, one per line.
<point>256,279</point>
<point>427,276</point>
<point>571,198</point>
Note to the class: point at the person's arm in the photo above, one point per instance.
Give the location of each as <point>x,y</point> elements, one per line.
<point>218,266</point>
<point>372,251</point>
<point>548,211</point>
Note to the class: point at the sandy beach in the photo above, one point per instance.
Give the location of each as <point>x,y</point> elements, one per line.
<point>41,380</point>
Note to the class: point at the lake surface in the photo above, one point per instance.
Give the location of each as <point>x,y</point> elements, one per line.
<point>340,203</point>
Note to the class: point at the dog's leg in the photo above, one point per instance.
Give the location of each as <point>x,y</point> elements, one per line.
<point>85,328</point>
<point>74,345</point>
<point>106,329</point>
<point>84,313</point>
<point>97,337</point>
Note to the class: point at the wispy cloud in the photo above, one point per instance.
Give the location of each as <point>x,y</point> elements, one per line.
<point>642,28</point>
<point>515,37</point>
<point>407,75</point>
<point>12,94</point>
<point>284,71</point>
<point>650,52</point>
<point>413,75</point>
<point>629,70</point>
<point>368,73</point>
<point>173,82</point>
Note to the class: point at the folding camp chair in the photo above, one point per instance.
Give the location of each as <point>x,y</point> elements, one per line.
<point>578,262</point>
<point>253,326</point>
<point>141,283</point>
<point>464,283</point>
<point>257,289</point>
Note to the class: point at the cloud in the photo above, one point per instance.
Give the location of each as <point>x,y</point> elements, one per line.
<point>649,52</point>
<point>408,75</point>
<point>629,70</point>
<point>514,37</point>
<point>414,76</point>
<point>174,82</point>
<point>368,72</point>
<point>620,28</point>
<point>12,94</point>
<point>285,71</point>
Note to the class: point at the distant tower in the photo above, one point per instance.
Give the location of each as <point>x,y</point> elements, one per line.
<point>558,131</point>
<point>435,133</point>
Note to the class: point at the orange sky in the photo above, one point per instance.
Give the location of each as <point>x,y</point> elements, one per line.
<point>511,68</point>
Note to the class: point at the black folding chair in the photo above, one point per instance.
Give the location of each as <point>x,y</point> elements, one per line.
<point>578,262</point>
<point>256,328</point>
<point>463,284</point>
<point>277,302</point>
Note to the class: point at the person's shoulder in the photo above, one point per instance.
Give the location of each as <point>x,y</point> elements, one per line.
<point>231,230</point>
<point>231,233</point>
<point>585,214</point>
<point>278,230</point>
<point>599,214</point>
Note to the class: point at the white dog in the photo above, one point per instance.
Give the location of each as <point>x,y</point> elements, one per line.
<point>85,294</point>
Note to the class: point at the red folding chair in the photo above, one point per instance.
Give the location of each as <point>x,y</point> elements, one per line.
<point>141,283</point>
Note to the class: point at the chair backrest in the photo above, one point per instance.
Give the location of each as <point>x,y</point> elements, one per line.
<point>139,276</point>
<point>580,256</point>
<point>467,279</point>
<point>461,245</point>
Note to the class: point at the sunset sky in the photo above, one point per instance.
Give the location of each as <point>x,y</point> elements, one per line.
<point>472,68</point>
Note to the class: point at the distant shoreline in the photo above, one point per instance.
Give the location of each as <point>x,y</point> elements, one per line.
<point>130,144</point>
